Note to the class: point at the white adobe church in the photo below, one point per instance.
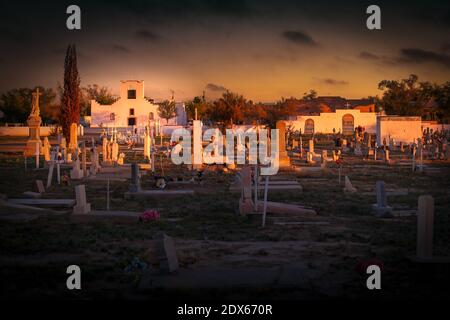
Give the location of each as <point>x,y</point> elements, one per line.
<point>132,109</point>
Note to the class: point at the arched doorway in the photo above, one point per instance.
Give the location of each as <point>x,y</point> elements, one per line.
<point>348,124</point>
<point>309,126</point>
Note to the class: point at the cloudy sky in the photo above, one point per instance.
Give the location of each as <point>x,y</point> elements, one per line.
<point>263,49</point>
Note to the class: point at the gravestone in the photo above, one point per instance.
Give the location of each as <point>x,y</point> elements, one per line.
<point>40,186</point>
<point>309,157</point>
<point>121,159</point>
<point>348,186</point>
<point>83,160</point>
<point>76,172</point>
<point>114,151</point>
<point>381,208</point>
<point>147,145</point>
<point>166,254</point>
<point>324,158</point>
<point>425,221</point>
<point>51,167</point>
<point>105,149</point>
<point>63,143</point>
<point>284,160</point>
<point>46,149</point>
<point>135,185</point>
<point>73,143</point>
<point>311,146</point>
<point>358,151</point>
<point>246,205</point>
<point>81,207</point>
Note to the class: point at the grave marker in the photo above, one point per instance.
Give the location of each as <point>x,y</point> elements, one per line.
<point>348,186</point>
<point>381,208</point>
<point>425,221</point>
<point>81,207</point>
<point>166,254</point>
<point>135,185</point>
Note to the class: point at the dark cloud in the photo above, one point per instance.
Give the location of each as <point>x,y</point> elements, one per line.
<point>369,56</point>
<point>148,35</point>
<point>299,37</point>
<point>445,47</point>
<point>215,87</point>
<point>332,82</point>
<point>422,56</point>
<point>118,48</point>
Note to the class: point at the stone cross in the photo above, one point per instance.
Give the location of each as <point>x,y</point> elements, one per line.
<point>81,207</point>
<point>425,221</point>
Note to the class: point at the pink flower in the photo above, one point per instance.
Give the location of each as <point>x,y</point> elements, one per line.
<point>149,215</point>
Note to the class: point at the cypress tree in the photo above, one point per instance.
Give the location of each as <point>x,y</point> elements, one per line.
<point>70,99</point>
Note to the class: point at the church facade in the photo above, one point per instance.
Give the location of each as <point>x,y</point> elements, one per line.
<point>132,109</point>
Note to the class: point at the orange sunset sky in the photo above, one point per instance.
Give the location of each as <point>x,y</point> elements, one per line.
<point>263,49</point>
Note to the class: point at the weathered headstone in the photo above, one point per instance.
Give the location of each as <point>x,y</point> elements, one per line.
<point>166,254</point>
<point>40,186</point>
<point>425,221</point>
<point>76,172</point>
<point>381,208</point>
<point>348,186</point>
<point>135,185</point>
<point>324,158</point>
<point>81,207</point>
<point>246,205</point>
<point>51,168</point>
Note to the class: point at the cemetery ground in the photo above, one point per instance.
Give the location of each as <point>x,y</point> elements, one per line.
<point>322,256</point>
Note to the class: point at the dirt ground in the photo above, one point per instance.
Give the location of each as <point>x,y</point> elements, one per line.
<point>37,247</point>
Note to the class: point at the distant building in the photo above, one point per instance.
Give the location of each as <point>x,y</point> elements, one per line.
<point>132,109</point>
<point>325,104</point>
<point>341,121</point>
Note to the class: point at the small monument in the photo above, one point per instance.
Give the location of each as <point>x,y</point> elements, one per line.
<point>34,123</point>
